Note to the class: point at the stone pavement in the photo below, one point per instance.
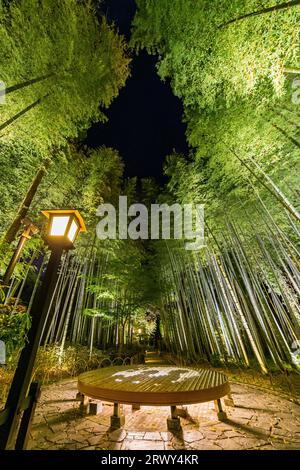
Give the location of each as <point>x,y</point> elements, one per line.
<point>259,420</point>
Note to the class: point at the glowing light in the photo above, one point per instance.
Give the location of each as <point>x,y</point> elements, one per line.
<point>63,227</point>
<point>59,225</point>
<point>72,231</point>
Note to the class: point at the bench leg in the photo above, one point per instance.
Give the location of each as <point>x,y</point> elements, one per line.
<point>229,400</point>
<point>182,412</point>
<point>219,409</point>
<point>173,423</point>
<point>135,407</point>
<point>117,420</point>
<point>84,406</point>
<point>95,408</point>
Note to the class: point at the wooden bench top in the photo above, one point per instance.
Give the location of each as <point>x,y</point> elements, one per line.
<point>153,385</point>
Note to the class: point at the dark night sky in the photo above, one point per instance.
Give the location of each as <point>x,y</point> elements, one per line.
<point>145,119</point>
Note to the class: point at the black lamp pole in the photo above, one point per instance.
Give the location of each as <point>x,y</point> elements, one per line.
<point>20,385</point>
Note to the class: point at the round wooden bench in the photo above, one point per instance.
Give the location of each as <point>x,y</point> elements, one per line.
<point>155,386</point>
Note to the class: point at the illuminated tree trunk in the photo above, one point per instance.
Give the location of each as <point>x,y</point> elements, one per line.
<point>27,83</point>
<point>281,6</point>
<point>25,205</point>
<point>274,190</point>
<point>283,132</point>
<point>22,112</point>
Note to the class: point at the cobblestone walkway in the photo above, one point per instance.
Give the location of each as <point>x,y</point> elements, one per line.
<point>258,421</point>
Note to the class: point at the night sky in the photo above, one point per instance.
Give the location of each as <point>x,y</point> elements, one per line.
<point>145,119</point>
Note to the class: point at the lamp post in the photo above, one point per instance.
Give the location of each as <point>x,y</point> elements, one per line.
<point>62,230</point>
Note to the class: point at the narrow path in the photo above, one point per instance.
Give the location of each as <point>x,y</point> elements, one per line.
<point>153,358</point>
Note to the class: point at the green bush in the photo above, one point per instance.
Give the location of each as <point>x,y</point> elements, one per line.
<point>53,364</point>
<point>14,325</point>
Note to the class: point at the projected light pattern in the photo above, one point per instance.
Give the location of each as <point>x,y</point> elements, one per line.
<point>145,373</point>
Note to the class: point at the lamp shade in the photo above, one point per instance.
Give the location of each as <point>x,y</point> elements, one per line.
<point>63,227</point>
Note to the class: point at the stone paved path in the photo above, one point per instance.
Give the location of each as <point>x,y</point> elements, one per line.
<point>259,420</point>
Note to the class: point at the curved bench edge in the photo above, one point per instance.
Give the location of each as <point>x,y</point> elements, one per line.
<point>155,398</point>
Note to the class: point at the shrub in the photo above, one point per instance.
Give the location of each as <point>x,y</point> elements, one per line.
<point>14,325</point>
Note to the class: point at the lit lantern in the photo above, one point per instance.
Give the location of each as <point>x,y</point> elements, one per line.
<point>63,227</point>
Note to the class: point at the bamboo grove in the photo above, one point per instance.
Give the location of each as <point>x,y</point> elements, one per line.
<point>236,69</point>
<point>237,301</point>
<point>96,301</point>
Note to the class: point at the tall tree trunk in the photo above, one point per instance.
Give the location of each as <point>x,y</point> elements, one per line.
<point>283,132</point>
<point>291,70</point>
<point>292,123</point>
<point>22,112</point>
<point>92,338</point>
<point>274,190</point>
<point>19,86</point>
<point>23,209</point>
<point>281,6</point>
<point>121,336</point>
<point>292,111</point>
